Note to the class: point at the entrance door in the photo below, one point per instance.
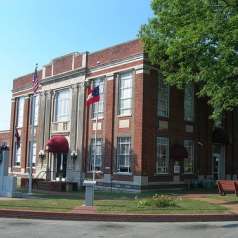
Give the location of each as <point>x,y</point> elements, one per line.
<point>61,164</point>
<point>218,160</point>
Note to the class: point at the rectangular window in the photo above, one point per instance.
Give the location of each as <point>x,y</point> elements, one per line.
<point>162,164</point>
<point>98,159</point>
<point>189,161</point>
<point>125,94</point>
<point>36,106</point>
<point>62,106</point>
<point>17,154</point>
<point>20,111</point>
<point>163,99</point>
<point>189,103</point>
<point>32,146</point>
<point>98,109</point>
<point>124,154</point>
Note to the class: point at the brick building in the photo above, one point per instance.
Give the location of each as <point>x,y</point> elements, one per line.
<point>149,135</point>
<point>5,137</point>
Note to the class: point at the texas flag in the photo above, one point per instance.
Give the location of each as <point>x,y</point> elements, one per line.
<point>93,95</point>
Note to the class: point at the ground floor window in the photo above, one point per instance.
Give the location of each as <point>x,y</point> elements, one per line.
<point>162,162</point>
<point>98,158</point>
<point>17,161</point>
<point>32,149</point>
<point>189,161</point>
<point>124,154</point>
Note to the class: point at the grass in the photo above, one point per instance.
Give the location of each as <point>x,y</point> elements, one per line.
<point>108,202</point>
<point>227,197</point>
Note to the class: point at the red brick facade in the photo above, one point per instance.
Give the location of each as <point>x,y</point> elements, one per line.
<point>143,126</point>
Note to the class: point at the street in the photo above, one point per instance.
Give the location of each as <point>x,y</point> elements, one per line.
<point>11,228</point>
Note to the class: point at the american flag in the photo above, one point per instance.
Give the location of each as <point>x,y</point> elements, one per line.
<point>35,81</point>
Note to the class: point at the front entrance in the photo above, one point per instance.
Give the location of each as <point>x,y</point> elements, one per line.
<point>218,161</point>
<point>60,166</point>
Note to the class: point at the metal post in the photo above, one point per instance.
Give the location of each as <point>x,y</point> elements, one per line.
<point>95,137</point>
<point>31,143</point>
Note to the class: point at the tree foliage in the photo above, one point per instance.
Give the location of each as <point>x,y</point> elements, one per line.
<point>196,41</point>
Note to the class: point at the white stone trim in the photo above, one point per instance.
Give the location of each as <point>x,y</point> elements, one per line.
<point>63,83</point>
<point>113,72</point>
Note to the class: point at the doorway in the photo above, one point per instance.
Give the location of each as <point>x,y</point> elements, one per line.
<point>218,161</point>
<point>61,166</point>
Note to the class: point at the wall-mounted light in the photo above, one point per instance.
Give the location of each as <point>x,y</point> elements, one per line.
<point>42,154</point>
<point>74,155</point>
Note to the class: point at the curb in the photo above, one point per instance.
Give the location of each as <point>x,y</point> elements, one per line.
<point>117,217</point>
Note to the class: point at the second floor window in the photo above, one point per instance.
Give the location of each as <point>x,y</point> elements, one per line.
<point>98,108</point>
<point>36,106</point>
<point>125,94</point>
<point>62,106</point>
<point>20,111</point>
<point>189,103</point>
<point>163,99</point>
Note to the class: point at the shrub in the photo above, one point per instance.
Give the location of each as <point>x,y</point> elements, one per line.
<point>144,203</point>
<point>163,201</point>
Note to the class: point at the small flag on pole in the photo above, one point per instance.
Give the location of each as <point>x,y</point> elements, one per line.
<point>35,81</point>
<point>93,95</point>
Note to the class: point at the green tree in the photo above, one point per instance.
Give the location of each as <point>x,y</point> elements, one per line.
<point>196,41</point>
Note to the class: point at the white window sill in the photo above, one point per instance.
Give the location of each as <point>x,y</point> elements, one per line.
<point>161,174</point>
<point>122,173</point>
<point>99,118</point>
<point>126,115</point>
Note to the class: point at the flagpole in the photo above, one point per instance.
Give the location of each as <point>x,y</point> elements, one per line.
<point>35,87</point>
<point>31,144</point>
<point>95,137</point>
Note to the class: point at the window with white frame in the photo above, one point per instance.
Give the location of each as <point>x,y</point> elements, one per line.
<point>163,99</point>
<point>124,154</point>
<point>20,111</point>
<point>162,165</point>
<point>98,158</point>
<point>125,94</point>
<point>32,149</point>
<point>189,103</point>
<point>62,106</point>
<point>17,154</point>
<point>98,108</point>
<point>36,108</point>
<point>189,161</point>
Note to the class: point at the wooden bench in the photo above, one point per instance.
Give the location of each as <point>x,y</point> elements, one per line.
<point>225,186</point>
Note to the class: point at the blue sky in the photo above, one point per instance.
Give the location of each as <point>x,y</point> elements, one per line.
<point>37,31</point>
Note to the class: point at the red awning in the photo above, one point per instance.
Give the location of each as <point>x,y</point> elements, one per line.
<point>178,152</point>
<point>58,144</point>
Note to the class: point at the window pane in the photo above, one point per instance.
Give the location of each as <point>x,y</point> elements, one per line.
<point>62,106</point>
<point>189,161</point>
<point>125,94</point>
<point>163,98</point>
<point>124,154</point>
<point>98,108</point>
<point>162,155</point>
<point>20,111</point>
<point>189,103</point>
<point>98,160</point>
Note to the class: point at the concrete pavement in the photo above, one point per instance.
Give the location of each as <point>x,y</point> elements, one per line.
<point>11,228</point>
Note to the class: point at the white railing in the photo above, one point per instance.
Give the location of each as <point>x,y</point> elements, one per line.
<point>60,126</point>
